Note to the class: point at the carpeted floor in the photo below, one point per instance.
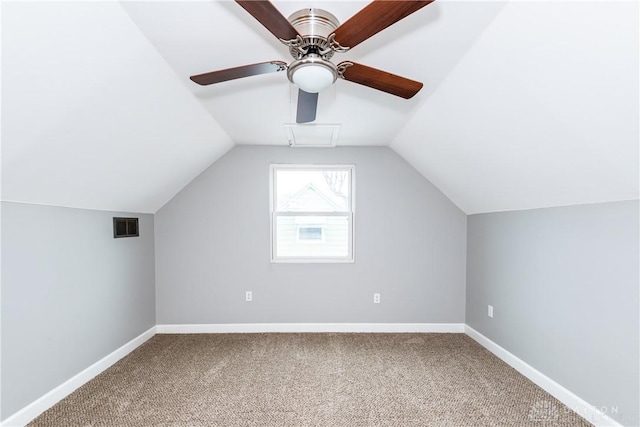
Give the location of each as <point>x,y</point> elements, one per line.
<point>310,380</point>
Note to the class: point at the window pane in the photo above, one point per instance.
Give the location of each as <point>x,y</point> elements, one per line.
<point>312,190</point>
<point>328,237</point>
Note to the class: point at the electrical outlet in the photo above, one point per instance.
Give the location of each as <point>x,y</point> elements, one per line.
<point>490,311</point>
<point>248,296</point>
<point>376,298</point>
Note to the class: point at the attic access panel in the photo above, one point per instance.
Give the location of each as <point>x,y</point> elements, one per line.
<point>325,135</point>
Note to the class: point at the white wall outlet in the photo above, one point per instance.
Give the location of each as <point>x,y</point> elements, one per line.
<point>376,298</point>
<point>490,311</point>
<point>248,296</point>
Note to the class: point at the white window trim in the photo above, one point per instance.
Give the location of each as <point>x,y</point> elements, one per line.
<point>350,258</point>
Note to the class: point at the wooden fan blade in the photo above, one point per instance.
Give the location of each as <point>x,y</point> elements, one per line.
<point>380,80</point>
<point>266,13</point>
<point>375,17</point>
<point>307,106</point>
<point>239,72</point>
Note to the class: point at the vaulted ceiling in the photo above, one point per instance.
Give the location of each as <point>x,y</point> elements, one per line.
<point>524,105</point>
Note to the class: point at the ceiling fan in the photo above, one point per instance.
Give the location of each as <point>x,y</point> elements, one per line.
<point>313,36</point>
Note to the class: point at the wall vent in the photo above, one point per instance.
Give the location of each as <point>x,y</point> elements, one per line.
<point>125,227</point>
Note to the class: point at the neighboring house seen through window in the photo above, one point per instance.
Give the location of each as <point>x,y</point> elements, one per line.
<point>312,213</point>
<point>310,233</point>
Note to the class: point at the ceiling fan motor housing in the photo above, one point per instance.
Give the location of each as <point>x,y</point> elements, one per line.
<point>315,26</point>
<point>312,71</point>
<point>313,22</point>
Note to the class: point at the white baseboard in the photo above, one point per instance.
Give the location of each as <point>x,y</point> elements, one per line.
<point>584,409</point>
<point>310,327</point>
<point>31,411</point>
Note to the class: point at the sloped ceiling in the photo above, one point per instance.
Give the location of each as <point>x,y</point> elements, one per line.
<point>541,111</point>
<point>525,104</point>
<point>92,116</point>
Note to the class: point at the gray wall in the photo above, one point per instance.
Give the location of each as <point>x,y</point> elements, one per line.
<point>212,245</point>
<point>71,294</point>
<point>564,286</point>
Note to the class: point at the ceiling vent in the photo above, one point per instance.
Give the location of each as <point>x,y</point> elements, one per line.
<point>315,135</point>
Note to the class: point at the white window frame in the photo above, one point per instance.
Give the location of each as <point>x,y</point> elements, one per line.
<point>350,214</point>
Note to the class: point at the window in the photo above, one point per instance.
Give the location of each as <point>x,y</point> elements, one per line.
<point>312,213</point>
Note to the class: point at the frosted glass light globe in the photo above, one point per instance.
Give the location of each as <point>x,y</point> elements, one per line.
<point>312,75</point>
<point>313,78</point>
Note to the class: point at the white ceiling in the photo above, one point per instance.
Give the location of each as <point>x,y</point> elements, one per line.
<point>541,111</point>
<point>525,104</point>
<point>92,116</point>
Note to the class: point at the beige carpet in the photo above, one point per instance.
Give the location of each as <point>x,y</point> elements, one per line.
<point>310,380</point>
